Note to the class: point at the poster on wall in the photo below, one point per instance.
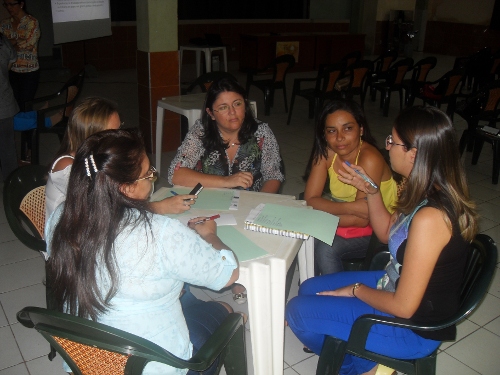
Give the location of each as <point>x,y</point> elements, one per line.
<point>79,10</point>
<point>80,19</point>
<point>288,48</point>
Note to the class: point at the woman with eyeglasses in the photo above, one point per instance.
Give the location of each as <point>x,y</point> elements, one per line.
<point>428,236</point>
<point>115,262</point>
<point>228,148</point>
<point>342,135</point>
<point>92,115</point>
<point>23,31</point>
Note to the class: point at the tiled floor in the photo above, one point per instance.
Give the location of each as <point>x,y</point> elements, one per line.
<point>23,351</point>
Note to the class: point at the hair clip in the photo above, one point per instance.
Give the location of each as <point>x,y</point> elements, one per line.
<point>87,166</point>
<point>93,163</point>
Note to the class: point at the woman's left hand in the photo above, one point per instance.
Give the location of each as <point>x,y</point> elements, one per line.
<point>345,291</point>
<point>350,177</point>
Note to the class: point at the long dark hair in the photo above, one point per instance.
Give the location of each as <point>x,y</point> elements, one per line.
<point>94,213</point>
<point>437,167</point>
<point>212,139</point>
<point>320,147</point>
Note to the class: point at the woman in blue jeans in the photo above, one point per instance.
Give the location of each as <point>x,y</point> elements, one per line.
<point>428,237</point>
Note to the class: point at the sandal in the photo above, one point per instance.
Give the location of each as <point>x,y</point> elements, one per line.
<point>307,350</point>
<point>240,298</point>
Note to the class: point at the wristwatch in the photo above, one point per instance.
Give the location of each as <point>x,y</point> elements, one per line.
<point>354,287</point>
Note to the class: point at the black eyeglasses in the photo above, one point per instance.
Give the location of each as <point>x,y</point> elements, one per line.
<point>390,142</point>
<point>5,5</point>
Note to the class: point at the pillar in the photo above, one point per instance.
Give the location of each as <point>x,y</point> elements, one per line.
<point>157,69</point>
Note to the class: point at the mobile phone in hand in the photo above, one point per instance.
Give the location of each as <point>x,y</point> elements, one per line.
<point>197,189</point>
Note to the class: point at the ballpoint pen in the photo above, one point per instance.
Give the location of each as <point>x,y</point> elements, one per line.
<point>207,219</point>
<point>174,193</point>
<point>363,176</point>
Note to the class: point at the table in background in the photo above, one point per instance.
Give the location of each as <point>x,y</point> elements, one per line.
<point>265,279</point>
<point>185,105</point>
<point>207,50</point>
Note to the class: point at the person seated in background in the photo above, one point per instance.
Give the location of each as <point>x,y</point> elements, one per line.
<point>342,134</point>
<point>228,147</point>
<point>428,236</point>
<point>114,261</point>
<point>92,115</point>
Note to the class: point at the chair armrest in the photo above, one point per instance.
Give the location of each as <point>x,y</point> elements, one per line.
<point>28,106</point>
<point>217,342</point>
<point>362,325</point>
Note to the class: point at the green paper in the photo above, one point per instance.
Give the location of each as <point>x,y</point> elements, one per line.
<point>208,199</point>
<point>319,224</point>
<point>244,248</point>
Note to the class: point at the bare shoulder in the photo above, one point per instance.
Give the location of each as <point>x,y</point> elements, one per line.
<point>62,164</point>
<point>430,222</point>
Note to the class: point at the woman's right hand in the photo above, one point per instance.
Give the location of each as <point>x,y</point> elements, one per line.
<point>350,177</point>
<point>205,229</point>
<point>240,179</point>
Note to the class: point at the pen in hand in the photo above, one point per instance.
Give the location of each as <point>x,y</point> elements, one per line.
<point>206,219</point>
<point>363,176</point>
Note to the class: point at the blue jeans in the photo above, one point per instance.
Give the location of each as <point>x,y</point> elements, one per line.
<point>202,319</point>
<point>312,317</point>
<point>328,259</point>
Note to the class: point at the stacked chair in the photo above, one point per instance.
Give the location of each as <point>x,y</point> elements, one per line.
<point>328,76</point>
<point>393,82</point>
<point>279,69</point>
<point>420,71</point>
<point>380,69</point>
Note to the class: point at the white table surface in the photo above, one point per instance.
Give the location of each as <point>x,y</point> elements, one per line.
<point>265,280</point>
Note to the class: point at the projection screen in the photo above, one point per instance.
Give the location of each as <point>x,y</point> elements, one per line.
<point>80,19</point>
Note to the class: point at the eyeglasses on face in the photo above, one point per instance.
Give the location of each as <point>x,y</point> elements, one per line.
<point>152,175</point>
<point>390,142</point>
<point>223,109</point>
<point>5,5</point>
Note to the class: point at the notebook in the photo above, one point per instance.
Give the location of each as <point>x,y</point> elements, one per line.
<point>294,222</point>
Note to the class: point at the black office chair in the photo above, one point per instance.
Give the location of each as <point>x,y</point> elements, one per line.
<point>481,266</point>
<point>94,348</point>
<point>279,67</point>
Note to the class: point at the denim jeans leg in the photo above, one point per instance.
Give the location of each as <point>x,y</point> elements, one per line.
<point>328,259</point>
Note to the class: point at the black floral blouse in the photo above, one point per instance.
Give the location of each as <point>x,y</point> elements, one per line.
<point>260,155</point>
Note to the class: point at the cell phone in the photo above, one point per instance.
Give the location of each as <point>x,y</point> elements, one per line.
<point>196,190</point>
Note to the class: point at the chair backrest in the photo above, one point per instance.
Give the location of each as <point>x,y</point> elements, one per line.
<point>281,65</point>
<point>422,68</point>
<point>384,61</point>
<point>448,83</point>
<point>72,89</point>
<point>331,74</point>
<point>398,70</point>
<point>94,348</point>
<point>481,265</point>
<point>205,81</point>
<point>33,206</point>
<point>27,228</point>
<point>358,73</point>
<point>493,97</point>
<point>351,58</point>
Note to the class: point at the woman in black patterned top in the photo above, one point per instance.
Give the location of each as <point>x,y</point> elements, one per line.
<point>228,147</point>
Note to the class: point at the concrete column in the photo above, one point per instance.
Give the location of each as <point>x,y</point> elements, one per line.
<point>157,68</point>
